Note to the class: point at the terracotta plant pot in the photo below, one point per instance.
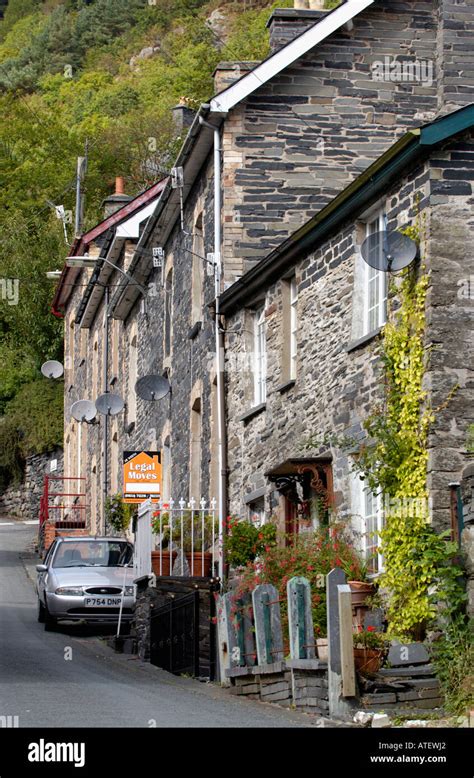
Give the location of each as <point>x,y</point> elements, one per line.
<point>165,562</point>
<point>198,565</point>
<point>323,649</point>
<point>368,660</point>
<point>166,567</point>
<point>360,592</point>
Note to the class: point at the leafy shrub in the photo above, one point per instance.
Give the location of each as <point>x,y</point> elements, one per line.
<point>118,513</point>
<point>453,655</point>
<point>312,556</point>
<point>245,541</point>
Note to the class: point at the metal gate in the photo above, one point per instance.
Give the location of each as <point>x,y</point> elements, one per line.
<point>174,635</point>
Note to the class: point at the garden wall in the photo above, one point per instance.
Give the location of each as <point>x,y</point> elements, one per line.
<point>22,501</point>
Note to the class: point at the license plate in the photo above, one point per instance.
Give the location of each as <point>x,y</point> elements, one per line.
<point>101,602</point>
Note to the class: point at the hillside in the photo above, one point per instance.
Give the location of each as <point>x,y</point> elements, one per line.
<point>100,76</point>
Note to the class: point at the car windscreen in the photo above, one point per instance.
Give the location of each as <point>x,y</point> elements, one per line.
<point>93,553</point>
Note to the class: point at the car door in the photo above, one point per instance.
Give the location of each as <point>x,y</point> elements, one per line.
<point>41,577</point>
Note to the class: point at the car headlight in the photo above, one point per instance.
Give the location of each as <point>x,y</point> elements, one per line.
<point>129,591</point>
<point>75,591</point>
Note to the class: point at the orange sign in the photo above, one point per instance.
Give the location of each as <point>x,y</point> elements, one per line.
<point>141,476</point>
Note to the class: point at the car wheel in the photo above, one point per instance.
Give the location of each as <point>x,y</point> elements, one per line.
<point>41,612</point>
<point>49,621</point>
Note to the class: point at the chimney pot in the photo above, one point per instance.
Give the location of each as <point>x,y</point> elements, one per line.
<point>117,200</point>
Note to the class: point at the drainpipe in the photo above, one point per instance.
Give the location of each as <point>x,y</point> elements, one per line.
<point>220,345</point>
<point>106,389</point>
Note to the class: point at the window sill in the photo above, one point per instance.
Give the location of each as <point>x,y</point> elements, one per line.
<point>286,386</point>
<point>253,412</point>
<point>194,330</point>
<point>360,342</point>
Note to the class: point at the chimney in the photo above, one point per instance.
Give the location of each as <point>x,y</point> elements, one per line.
<point>115,201</point>
<point>285,24</point>
<point>183,116</point>
<point>227,72</point>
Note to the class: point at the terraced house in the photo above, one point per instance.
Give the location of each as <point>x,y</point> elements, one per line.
<point>262,313</point>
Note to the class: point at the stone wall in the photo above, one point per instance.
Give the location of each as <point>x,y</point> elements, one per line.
<point>305,134</point>
<point>22,501</point>
<point>337,383</point>
<point>306,690</point>
<point>338,379</point>
<point>450,323</point>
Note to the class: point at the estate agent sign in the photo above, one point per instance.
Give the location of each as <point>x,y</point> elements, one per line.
<point>141,476</point>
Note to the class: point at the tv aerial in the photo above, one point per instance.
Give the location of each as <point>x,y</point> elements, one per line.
<point>84,410</point>
<point>52,369</point>
<point>388,251</point>
<point>152,387</point>
<point>109,404</point>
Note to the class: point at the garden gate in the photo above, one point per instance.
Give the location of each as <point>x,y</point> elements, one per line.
<point>174,635</point>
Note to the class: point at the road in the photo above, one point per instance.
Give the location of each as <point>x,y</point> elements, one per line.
<point>70,678</point>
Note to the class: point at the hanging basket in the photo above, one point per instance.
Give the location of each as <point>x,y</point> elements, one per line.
<point>368,660</point>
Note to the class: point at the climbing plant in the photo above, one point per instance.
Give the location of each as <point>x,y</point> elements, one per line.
<point>419,574</point>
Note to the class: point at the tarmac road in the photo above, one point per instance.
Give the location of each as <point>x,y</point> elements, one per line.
<point>70,678</point>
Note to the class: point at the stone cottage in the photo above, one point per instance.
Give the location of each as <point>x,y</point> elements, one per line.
<point>303,370</point>
<point>276,145</point>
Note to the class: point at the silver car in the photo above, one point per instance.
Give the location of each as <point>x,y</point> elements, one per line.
<point>82,579</point>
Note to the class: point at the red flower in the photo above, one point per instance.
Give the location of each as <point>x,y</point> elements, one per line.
<point>371,629</point>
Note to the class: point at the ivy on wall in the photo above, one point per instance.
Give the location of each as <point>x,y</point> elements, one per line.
<point>419,576</point>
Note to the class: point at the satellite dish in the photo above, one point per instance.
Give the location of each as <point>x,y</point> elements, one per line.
<point>52,369</point>
<point>152,387</point>
<point>83,410</point>
<point>388,251</point>
<point>109,404</point>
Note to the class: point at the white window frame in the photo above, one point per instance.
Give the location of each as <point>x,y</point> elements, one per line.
<point>260,357</point>
<point>293,327</point>
<point>257,514</point>
<point>375,279</point>
<point>372,515</point>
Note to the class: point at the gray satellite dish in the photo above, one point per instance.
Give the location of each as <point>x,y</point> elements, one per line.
<point>52,369</point>
<point>83,410</point>
<point>388,251</point>
<point>152,387</point>
<point>109,404</point>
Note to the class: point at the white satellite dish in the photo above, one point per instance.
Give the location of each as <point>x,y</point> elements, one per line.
<point>83,410</point>
<point>388,251</point>
<point>109,404</point>
<point>152,387</point>
<point>52,369</point>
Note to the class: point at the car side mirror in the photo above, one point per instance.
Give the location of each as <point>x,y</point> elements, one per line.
<point>41,569</point>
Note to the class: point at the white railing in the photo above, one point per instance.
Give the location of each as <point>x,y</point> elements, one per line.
<point>186,538</point>
<point>186,533</point>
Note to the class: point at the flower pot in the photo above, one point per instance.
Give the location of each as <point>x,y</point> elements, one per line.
<point>301,4</point>
<point>165,562</point>
<point>196,565</point>
<point>360,592</point>
<point>316,5</point>
<point>368,660</point>
<point>323,649</point>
